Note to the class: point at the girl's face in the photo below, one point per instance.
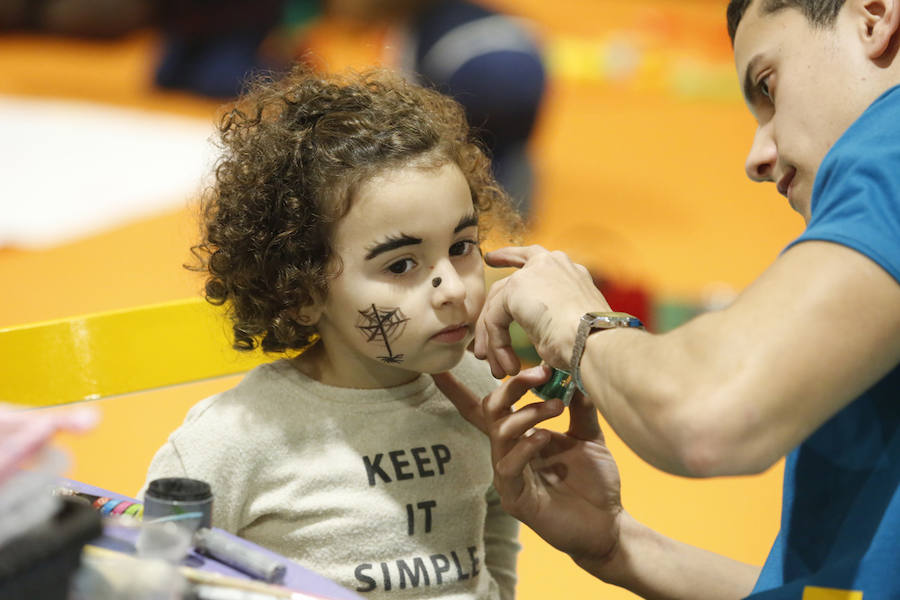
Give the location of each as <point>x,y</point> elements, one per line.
<point>411,284</point>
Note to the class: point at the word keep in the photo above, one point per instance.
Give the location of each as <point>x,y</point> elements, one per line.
<point>403,464</point>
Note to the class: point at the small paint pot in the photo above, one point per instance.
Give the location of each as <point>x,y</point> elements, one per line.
<point>187,501</point>
<point>560,385</point>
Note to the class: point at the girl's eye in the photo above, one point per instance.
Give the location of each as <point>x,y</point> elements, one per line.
<point>462,248</point>
<point>401,266</point>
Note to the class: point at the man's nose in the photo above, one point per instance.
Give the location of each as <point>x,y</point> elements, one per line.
<point>763,154</point>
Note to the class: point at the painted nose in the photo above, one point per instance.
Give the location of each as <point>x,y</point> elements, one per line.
<point>448,286</point>
<point>763,155</point>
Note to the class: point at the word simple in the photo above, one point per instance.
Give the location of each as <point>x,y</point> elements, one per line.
<point>419,571</point>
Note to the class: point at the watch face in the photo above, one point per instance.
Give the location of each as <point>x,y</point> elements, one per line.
<point>609,320</point>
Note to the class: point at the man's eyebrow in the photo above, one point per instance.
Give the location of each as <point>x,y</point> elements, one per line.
<point>470,220</point>
<point>392,243</point>
<point>749,86</point>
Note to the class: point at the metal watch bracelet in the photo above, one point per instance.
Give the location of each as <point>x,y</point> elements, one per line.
<point>586,325</point>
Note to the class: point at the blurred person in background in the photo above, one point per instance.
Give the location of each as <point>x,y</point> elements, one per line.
<point>489,62</point>
<point>211,47</point>
<point>89,18</point>
<point>207,47</point>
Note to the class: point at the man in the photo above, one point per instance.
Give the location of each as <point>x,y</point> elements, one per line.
<point>804,363</point>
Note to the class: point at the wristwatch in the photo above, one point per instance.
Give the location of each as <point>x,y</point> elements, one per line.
<point>588,324</point>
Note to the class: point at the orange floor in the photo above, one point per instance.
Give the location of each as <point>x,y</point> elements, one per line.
<point>640,181</point>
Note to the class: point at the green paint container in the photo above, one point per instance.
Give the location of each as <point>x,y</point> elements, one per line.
<point>560,385</point>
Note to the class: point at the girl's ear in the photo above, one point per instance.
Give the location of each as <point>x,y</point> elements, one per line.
<point>308,315</point>
<point>879,26</point>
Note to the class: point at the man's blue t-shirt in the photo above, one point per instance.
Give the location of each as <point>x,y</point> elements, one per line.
<point>840,524</point>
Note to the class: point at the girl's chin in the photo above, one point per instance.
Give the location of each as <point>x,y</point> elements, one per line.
<point>439,364</point>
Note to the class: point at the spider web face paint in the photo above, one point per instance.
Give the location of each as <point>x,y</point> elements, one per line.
<point>384,325</point>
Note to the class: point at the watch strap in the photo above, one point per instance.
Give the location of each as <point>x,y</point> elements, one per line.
<point>589,323</point>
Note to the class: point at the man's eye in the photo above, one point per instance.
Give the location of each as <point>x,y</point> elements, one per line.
<point>462,248</point>
<point>764,87</point>
<point>401,266</point>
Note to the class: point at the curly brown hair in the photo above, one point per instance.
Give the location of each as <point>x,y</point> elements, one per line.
<point>294,150</point>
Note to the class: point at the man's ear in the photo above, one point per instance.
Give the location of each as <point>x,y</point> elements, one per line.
<point>879,24</point>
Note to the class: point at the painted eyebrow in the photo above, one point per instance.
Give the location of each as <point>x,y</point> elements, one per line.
<point>470,220</point>
<point>399,241</point>
<point>392,243</point>
<point>750,91</point>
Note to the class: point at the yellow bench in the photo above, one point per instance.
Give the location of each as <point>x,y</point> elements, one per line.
<point>117,352</point>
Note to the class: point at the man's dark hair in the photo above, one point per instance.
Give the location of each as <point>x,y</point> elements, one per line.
<point>820,13</point>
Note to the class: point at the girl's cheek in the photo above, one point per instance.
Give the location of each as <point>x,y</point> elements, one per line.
<point>382,326</point>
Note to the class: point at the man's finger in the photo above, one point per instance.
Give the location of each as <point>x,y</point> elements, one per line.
<point>480,342</point>
<point>494,321</point>
<point>508,359</point>
<point>467,403</point>
<point>506,432</point>
<point>505,425</point>
<point>509,468</point>
<point>512,256</point>
<point>510,391</point>
<point>583,421</point>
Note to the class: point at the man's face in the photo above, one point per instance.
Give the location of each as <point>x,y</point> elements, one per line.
<point>805,86</point>
<point>412,278</point>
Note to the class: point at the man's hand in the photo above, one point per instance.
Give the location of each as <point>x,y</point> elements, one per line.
<point>546,297</point>
<point>565,486</point>
<point>472,407</point>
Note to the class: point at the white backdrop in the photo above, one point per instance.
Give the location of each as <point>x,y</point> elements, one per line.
<point>71,169</point>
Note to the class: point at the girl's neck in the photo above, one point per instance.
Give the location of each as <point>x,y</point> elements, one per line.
<point>316,364</point>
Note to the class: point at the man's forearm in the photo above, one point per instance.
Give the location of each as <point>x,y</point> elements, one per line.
<point>655,393</point>
<point>734,390</point>
<point>659,568</point>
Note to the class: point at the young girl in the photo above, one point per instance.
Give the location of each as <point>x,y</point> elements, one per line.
<point>344,219</point>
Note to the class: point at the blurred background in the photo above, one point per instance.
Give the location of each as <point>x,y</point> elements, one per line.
<point>618,127</point>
